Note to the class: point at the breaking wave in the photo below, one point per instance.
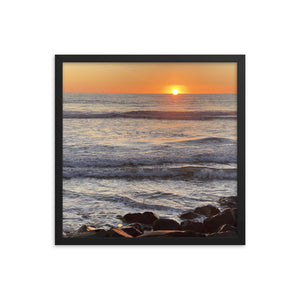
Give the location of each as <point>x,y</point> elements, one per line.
<point>154,172</point>
<point>158,115</point>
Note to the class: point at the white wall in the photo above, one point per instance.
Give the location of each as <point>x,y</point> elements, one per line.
<point>32,32</point>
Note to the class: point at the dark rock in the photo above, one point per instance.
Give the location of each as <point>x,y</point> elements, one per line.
<point>68,233</point>
<point>99,233</point>
<point>134,217</point>
<point>188,215</point>
<point>229,201</point>
<point>207,210</point>
<point>83,229</point>
<point>224,234</point>
<point>166,224</point>
<point>192,225</point>
<point>213,223</point>
<point>138,226</point>
<point>89,232</point>
<point>147,217</point>
<point>147,228</point>
<point>117,232</point>
<point>227,227</point>
<point>132,231</point>
<point>168,233</point>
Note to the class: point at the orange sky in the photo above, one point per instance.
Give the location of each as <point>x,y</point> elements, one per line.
<point>194,78</point>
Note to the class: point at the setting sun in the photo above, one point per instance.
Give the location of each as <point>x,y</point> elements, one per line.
<point>165,78</point>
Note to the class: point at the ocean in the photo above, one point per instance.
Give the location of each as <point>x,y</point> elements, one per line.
<point>145,152</point>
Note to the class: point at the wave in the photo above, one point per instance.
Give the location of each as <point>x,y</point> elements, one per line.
<point>209,140</point>
<point>202,158</point>
<point>126,200</point>
<point>183,172</point>
<point>158,115</point>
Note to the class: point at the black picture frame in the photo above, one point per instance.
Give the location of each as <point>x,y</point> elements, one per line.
<point>239,240</point>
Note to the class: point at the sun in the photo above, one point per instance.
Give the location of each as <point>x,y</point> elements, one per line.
<point>175,92</point>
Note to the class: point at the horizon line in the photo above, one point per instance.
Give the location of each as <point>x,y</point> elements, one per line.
<point>153,93</point>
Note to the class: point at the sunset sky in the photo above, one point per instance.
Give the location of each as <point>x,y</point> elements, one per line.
<point>156,78</point>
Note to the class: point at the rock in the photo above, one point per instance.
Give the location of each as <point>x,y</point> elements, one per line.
<point>82,229</point>
<point>138,226</point>
<point>166,224</point>
<point>213,223</point>
<point>227,227</point>
<point>168,233</point>
<point>229,201</point>
<point>134,217</point>
<point>224,234</point>
<point>85,228</point>
<point>147,217</point>
<point>207,210</point>
<point>67,234</point>
<point>117,232</point>
<point>188,215</point>
<point>192,225</point>
<point>94,233</point>
<point>147,228</point>
<point>99,233</point>
<point>133,231</point>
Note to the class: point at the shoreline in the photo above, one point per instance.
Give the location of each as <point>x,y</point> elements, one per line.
<point>216,223</point>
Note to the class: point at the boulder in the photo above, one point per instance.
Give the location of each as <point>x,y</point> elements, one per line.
<point>64,235</point>
<point>188,215</point>
<point>147,217</point>
<point>85,228</point>
<point>168,233</point>
<point>228,201</point>
<point>134,217</point>
<point>166,224</point>
<point>138,226</point>
<point>90,232</point>
<point>133,231</point>
<point>227,227</point>
<point>99,233</point>
<point>192,225</point>
<point>148,228</point>
<point>207,210</point>
<point>117,232</point>
<point>213,223</point>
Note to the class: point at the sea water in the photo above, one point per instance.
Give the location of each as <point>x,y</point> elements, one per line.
<point>145,152</point>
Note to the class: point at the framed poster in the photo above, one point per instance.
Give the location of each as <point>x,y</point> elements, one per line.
<point>150,149</point>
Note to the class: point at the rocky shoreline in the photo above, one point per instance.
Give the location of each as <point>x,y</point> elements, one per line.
<point>218,222</point>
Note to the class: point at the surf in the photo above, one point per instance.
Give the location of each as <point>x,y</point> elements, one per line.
<point>152,114</point>
<point>154,172</point>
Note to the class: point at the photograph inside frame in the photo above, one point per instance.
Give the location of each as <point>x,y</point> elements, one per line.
<point>149,150</point>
